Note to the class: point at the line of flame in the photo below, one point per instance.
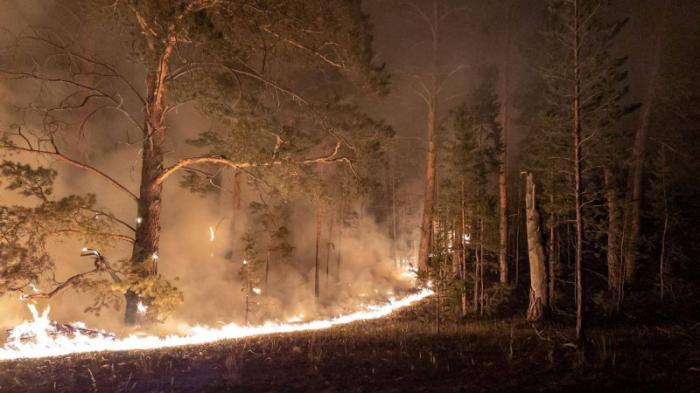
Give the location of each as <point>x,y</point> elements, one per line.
<point>45,345</point>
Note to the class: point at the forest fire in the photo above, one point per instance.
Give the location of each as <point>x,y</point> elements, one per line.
<point>231,195</point>
<point>43,338</point>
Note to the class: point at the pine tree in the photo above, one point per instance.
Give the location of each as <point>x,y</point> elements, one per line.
<point>241,65</point>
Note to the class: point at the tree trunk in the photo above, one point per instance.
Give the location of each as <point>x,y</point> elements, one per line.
<point>578,183</point>
<point>431,124</point>
<point>144,257</point>
<point>518,224</point>
<point>267,270</point>
<point>394,236</point>
<point>552,260</point>
<point>538,273</point>
<point>465,288</point>
<point>636,176</point>
<point>481,267</point>
<point>614,266</point>
<point>340,240</point>
<point>317,289</point>
<point>463,267</point>
<point>329,244</point>
<point>662,258</point>
<point>503,166</point>
<point>428,201</point>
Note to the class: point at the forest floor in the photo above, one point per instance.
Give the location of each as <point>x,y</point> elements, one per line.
<point>401,353</point>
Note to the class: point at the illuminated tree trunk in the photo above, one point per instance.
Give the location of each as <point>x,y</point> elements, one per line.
<point>144,257</point>
<point>464,255</point>
<point>340,240</point>
<point>394,235</point>
<point>431,125</point>
<point>317,289</point>
<point>329,245</point>
<point>429,198</point>
<point>538,273</point>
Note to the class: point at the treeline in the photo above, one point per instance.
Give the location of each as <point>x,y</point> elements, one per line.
<point>601,198</point>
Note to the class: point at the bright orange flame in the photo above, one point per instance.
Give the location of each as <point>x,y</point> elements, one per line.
<point>44,340</point>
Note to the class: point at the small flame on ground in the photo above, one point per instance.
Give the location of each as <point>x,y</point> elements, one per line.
<point>257,291</point>
<point>296,318</point>
<point>212,234</point>
<point>141,308</point>
<point>45,341</point>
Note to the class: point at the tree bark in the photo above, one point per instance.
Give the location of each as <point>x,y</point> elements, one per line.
<point>537,309</point>
<point>431,124</point>
<point>144,257</point>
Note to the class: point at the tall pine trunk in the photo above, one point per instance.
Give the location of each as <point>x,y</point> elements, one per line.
<point>503,166</point>
<point>144,257</point>
<point>431,125</point>
<point>429,197</point>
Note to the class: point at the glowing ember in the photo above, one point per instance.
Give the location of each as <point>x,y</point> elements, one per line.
<point>45,341</point>
<point>257,291</point>
<point>141,308</point>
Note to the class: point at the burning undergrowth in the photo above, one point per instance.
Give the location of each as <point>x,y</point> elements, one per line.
<point>42,337</point>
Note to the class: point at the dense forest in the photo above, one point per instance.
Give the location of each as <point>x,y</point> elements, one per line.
<point>293,160</point>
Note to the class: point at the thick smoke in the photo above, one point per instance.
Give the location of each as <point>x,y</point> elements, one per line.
<point>206,270</point>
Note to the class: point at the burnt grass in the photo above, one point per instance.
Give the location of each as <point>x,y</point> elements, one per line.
<point>401,353</point>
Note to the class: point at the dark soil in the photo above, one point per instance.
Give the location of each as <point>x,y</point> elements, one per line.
<point>398,354</point>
